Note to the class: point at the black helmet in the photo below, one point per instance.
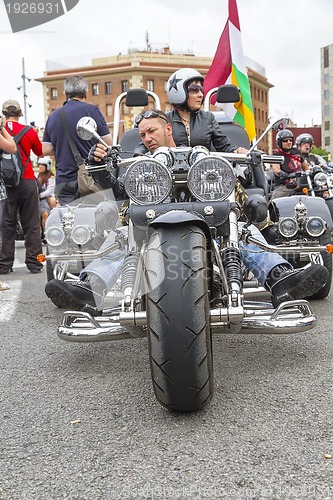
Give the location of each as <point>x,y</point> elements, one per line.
<point>304,138</point>
<point>283,134</point>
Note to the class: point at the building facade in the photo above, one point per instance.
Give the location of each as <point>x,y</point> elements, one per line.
<point>110,76</point>
<point>326,63</point>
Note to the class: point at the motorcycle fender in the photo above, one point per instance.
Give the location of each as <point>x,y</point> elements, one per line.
<point>213,214</point>
<point>176,217</point>
<point>284,207</point>
<point>181,217</point>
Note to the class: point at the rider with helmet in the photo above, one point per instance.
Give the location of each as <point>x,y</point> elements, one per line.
<point>304,143</point>
<point>294,162</point>
<point>192,126</point>
<point>46,185</point>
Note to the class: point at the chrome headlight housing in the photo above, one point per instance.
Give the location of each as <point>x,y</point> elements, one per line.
<point>320,179</point>
<point>211,178</point>
<point>288,227</point>
<point>55,236</point>
<point>165,156</point>
<point>82,234</point>
<point>148,181</point>
<point>196,153</point>
<point>315,226</point>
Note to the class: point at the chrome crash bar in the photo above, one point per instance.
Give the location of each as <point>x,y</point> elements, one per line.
<point>285,248</point>
<point>260,317</point>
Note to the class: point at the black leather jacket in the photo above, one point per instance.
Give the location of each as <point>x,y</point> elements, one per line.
<point>204,131</point>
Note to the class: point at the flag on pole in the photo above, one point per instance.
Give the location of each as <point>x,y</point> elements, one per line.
<point>228,66</point>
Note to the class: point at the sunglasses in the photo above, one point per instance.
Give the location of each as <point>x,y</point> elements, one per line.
<point>195,88</point>
<point>149,114</point>
<point>287,140</point>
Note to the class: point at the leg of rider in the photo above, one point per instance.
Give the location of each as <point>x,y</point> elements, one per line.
<point>279,277</point>
<point>95,280</point>
<point>106,269</point>
<point>258,261</point>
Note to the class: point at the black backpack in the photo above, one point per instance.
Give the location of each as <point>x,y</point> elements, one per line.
<point>11,165</point>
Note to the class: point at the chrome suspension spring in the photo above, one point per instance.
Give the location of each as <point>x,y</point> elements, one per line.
<point>231,259</point>
<point>129,271</point>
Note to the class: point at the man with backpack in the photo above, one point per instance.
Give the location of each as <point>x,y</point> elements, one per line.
<point>22,199</point>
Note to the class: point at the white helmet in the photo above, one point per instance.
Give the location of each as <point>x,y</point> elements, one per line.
<point>177,85</point>
<point>46,160</point>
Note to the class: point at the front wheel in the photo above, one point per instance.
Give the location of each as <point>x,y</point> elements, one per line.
<point>179,335</point>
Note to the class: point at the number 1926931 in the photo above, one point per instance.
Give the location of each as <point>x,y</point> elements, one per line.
<point>34,8</point>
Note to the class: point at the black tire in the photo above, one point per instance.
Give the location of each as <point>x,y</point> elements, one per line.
<point>329,204</point>
<point>179,334</point>
<point>49,269</point>
<point>327,259</point>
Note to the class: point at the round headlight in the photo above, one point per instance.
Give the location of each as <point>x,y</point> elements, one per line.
<point>148,181</point>
<point>54,236</point>
<point>211,179</point>
<point>320,179</point>
<point>81,235</point>
<point>288,227</point>
<point>315,226</point>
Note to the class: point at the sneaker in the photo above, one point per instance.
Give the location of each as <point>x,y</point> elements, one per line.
<point>292,284</point>
<point>76,294</point>
<point>3,286</point>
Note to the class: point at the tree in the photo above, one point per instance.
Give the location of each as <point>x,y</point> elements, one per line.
<point>321,152</point>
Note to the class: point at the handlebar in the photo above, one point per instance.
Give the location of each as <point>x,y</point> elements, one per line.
<point>254,157</point>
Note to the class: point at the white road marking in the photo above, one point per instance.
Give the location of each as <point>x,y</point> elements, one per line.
<point>9,300</point>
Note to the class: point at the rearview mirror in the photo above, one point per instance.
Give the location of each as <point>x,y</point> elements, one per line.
<point>86,129</point>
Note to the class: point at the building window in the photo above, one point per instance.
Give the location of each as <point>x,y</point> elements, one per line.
<point>327,141</point>
<point>326,57</point>
<point>109,110</point>
<point>54,93</point>
<point>108,87</point>
<point>327,126</point>
<point>95,89</point>
<point>150,85</point>
<point>326,110</point>
<point>326,95</point>
<point>124,85</point>
<point>326,79</point>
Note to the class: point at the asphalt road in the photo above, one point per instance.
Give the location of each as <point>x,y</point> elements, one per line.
<point>80,421</point>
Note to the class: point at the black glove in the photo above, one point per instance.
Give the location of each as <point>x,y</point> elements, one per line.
<point>282,175</point>
<point>91,160</point>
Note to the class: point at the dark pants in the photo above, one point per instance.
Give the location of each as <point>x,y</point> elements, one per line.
<point>67,192</point>
<point>23,200</point>
<point>2,211</point>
